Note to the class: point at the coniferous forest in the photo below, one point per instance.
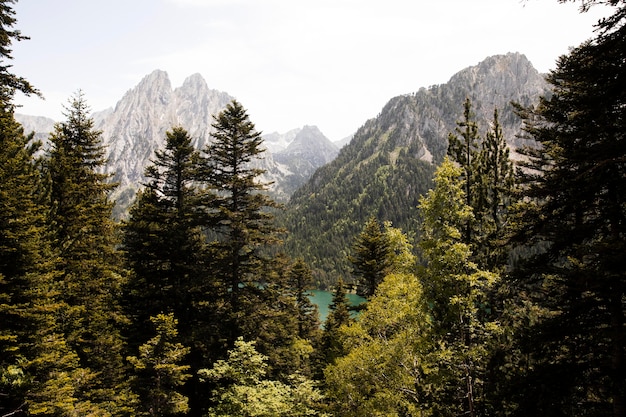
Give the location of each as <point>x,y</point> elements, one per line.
<point>508,298</point>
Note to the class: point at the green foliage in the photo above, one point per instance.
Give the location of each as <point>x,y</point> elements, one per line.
<point>379,174</point>
<point>164,245</point>
<point>239,214</point>
<point>372,258</point>
<point>575,348</point>
<point>384,370</point>
<point>159,372</point>
<point>458,295</point>
<point>88,264</point>
<point>39,372</point>
<point>243,389</point>
<point>338,316</point>
<point>300,282</point>
<point>9,82</point>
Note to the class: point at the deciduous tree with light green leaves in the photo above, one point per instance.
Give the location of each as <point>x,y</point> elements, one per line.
<point>242,389</point>
<point>386,370</point>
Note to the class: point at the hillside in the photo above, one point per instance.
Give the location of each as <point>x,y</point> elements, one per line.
<point>389,163</point>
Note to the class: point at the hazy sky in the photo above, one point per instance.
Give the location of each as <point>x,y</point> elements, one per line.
<point>330,63</point>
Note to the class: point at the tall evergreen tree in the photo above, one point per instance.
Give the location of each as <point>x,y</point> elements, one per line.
<point>9,82</point>
<point>457,290</point>
<point>89,264</point>
<point>163,242</point>
<point>465,151</point>
<point>495,182</point>
<point>39,373</point>
<point>577,345</point>
<point>372,259</point>
<point>166,252</point>
<point>301,282</point>
<point>338,315</point>
<point>240,213</point>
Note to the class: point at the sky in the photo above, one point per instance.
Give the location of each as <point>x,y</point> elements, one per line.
<point>329,63</point>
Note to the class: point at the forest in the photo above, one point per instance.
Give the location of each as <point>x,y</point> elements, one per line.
<point>508,299</point>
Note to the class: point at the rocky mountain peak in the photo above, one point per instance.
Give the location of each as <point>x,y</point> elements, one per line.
<point>308,139</point>
<point>389,163</point>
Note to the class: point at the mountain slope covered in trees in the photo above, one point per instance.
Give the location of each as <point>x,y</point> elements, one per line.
<point>390,161</point>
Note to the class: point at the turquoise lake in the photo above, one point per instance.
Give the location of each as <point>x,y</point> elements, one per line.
<point>323,299</point>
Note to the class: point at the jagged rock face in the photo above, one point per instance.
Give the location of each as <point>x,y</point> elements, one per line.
<point>277,142</point>
<point>41,126</point>
<point>423,120</point>
<point>308,151</point>
<point>137,126</point>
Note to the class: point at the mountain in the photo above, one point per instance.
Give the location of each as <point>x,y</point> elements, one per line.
<point>136,127</point>
<point>277,142</point>
<point>308,151</point>
<point>39,125</point>
<point>390,161</point>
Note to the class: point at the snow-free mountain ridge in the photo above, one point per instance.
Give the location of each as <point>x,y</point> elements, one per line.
<point>414,125</point>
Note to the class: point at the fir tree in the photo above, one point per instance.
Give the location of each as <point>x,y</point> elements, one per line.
<point>9,82</point>
<point>457,291</point>
<point>575,218</point>
<point>38,371</point>
<point>163,243</point>
<point>372,258</point>
<point>494,191</point>
<point>159,370</point>
<point>301,282</point>
<point>239,214</point>
<point>465,151</point>
<point>339,315</point>
<point>88,260</point>
<point>166,252</point>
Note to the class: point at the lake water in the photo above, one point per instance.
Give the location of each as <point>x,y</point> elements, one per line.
<point>323,299</point>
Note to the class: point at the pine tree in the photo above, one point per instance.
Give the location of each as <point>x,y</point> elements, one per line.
<point>159,371</point>
<point>166,252</point>
<point>33,351</point>
<point>88,259</point>
<point>9,82</point>
<point>494,191</point>
<point>239,214</point>
<point>487,173</point>
<point>576,219</point>
<point>39,373</point>
<point>339,315</point>
<point>465,151</point>
<point>301,282</point>
<point>457,291</point>
<point>163,243</point>
<point>372,259</point>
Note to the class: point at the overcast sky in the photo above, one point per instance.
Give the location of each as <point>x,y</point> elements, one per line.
<point>330,63</point>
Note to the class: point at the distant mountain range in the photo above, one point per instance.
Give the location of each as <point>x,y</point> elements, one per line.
<point>136,127</point>
<point>383,170</point>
